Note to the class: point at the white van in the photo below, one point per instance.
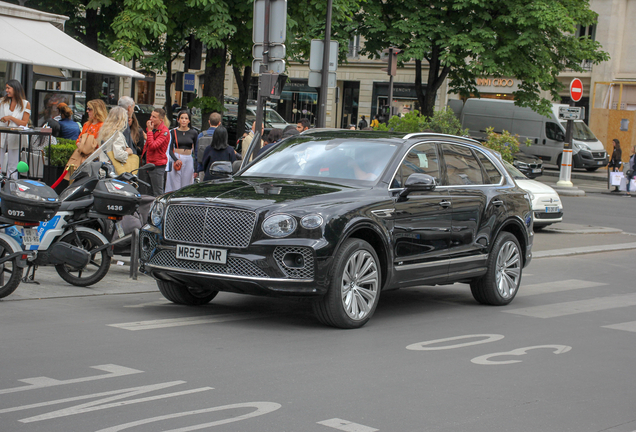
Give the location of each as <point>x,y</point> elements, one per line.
<point>270,116</point>
<point>545,133</point>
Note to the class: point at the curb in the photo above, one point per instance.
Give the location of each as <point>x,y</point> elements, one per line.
<point>577,175</point>
<point>582,250</point>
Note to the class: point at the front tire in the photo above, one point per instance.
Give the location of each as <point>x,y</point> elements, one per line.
<point>96,268</point>
<point>10,273</point>
<point>503,276</point>
<point>592,169</point>
<point>355,286</point>
<point>183,295</point>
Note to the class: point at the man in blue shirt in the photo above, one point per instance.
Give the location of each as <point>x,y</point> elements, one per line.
<point>214,121</point>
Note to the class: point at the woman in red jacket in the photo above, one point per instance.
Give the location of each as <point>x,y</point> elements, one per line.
<point>156,148</point>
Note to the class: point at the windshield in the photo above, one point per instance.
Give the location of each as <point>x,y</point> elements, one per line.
<point>272,116</point>
<point>580,131</point>
<point>513,171</point>
<point>341,159</point>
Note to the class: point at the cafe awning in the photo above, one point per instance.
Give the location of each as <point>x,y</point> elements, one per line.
<point>36,42</point>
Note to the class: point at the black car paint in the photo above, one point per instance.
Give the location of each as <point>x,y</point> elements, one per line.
<point>453,246</point>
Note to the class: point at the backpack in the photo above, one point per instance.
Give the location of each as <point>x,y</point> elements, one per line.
<point>203,143</point>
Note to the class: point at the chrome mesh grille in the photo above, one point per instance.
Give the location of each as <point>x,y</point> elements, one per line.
<point>234,266</point>
<point>305,272</point>
<point>209,225</point>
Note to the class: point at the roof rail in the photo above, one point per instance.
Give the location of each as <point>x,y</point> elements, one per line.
<point>426,134</point>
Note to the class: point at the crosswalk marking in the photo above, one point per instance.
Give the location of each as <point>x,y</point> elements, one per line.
<point>627,326</point>
<point>575,307</point>
<point>177,322</point>
<point>345,425</point>
<point>556,286</point>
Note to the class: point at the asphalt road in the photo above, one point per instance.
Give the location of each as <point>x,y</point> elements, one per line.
<point>119,357</point>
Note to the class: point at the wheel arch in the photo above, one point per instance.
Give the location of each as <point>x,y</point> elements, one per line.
<point>372,234</point>
<point>516,227</point>
<point>16,248</point>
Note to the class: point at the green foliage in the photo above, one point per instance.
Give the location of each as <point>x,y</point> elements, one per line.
<point>207,104</point>
<point>60,153</point>
<point>443,121</point>
<point>532,41</point>
<point>505,143</point>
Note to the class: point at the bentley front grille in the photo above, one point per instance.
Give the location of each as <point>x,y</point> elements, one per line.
<point>209,225</point>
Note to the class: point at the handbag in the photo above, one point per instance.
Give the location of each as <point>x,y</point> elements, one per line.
<point>132,163</point>
<point>75,161</point>
<point>88,144</point>
<point>629,173</point>
<point>177,164</point>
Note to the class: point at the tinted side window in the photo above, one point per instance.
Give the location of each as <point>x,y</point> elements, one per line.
<point>421,159</point>
<point>491,169</point>
<point>553,131</point>
<point>462,167</point>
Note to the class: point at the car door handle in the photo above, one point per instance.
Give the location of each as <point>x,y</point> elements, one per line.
<point>445,203</point>
<point>497,203</point>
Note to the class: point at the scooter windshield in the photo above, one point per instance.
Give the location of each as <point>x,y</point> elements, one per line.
<point>88,167</point>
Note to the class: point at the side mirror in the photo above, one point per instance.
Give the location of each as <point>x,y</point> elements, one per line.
<point>221,169</point>
<point>418,183</point>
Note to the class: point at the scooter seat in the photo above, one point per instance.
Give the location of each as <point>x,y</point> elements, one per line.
<point>74,205</point>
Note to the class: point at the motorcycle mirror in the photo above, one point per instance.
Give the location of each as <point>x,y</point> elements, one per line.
<point>22,167</point>
<point>148,166</point>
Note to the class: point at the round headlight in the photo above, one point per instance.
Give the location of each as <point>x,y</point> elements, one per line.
<point>279,225</point>
<point>156,214</point>
<point>311,221</point>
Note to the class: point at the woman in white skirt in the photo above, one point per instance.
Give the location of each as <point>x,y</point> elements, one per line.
<point>183,153</point>
<point>15,111</point>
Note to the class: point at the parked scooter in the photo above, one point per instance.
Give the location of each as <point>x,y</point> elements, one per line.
<point>70,240</point>
<point>23,204</point>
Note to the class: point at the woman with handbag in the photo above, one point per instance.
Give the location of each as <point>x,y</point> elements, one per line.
<point>87,140</point>
<point>117,151</point>
<point>630,172</point>
<point>183,153</point>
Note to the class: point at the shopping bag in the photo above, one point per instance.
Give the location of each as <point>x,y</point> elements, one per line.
<point>615,178</point>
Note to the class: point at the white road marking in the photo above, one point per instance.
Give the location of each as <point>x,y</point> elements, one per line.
<point>345,425</point>
<point>423,346</point>
<point>261,408</point>
<point>575,307</point>
<point>40,382</point>
<point>485,359</point>
<point>627,326</point>
<point>177,322</point>
<point>556,286</point>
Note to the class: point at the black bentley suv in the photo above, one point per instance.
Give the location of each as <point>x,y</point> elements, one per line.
<point>340,216</point>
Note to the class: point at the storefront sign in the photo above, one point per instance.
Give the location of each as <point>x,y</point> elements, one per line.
<point>188,83</point>
<point>496,85</point>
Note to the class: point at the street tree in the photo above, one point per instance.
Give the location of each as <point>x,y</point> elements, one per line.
<point>531,40</point>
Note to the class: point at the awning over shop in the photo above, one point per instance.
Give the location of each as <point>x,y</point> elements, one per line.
<point>41,43</point>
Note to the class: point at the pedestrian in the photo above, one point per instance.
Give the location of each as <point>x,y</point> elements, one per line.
<point>87,140</point>
<point>290,130</point>
<point>375,122</point>
<point>182,151</point>
<point>128,103</point>
<point>630,172</point>
<point>112,133</point>
<point>15,111</point>
<point>137,134</point>
<point>69,129</point>
<point>273,137</point>
<point>303,125</point>
<point>218,151</point>
<point>247,141</point>
<point>155,149</point>
<point>615,161</point>
<point>362,123</point>
<point>204,140</point>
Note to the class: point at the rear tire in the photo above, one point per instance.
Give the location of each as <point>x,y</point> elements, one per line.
<point>355,286</point>
<point>501,282</point>
<point>592,169</point>
<point>10,273</point>
<point>183,295</point>
<point>96,269</point>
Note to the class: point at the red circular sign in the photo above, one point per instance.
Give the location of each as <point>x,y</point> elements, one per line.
<point>576,89</point>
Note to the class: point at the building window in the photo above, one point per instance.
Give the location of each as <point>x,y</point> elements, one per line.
<point>586,31</point>
<point>354,47</point>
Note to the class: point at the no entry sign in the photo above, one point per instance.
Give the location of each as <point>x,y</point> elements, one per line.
<point>576,89</point>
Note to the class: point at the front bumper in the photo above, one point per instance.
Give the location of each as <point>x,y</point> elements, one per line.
<point>585,159</point>
<point>263,268</point>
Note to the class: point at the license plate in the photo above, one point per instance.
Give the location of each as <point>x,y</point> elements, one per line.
<point>552,209</point>
<point>30,237</point>
<point>536,170</point>
<point>599,163</point>
<point>194,253</point>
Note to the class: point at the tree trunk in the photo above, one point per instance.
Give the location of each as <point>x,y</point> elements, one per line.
<point>243,83</point>
<point>214,80</point>
<point>419,92</point>
<point>93,80</point>
<point>436,76</point>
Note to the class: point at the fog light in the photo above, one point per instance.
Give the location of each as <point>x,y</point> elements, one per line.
<point>294,260</point>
